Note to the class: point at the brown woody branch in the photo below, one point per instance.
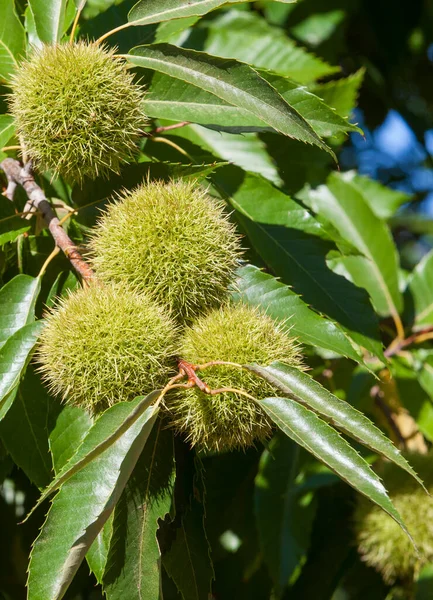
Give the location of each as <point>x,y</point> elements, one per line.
<point>18,175</point>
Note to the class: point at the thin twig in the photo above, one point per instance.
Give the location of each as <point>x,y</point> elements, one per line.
<point>53,255</point>
<point>23,176</point>
<point>6,148</point>
<point>188,369</point>
<point>75,23</point>
<point>416,338</point>
<point>169,142</point>
<point>163,129</point>
<point>115,30</point>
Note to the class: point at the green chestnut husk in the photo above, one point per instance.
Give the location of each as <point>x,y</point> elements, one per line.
<point>106,344</point>
<point>240,334</point>
<point>170,238</point>
<point>77,110</point>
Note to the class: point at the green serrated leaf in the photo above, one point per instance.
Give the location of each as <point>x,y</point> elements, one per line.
<point>341,202</point>
<point>247,37</point>
<point>25,428</point>
<point>97,554</point>
<point>299,259</point>
<point>15,355</point>
<point>49,18</point>
<point>246,151</point>
<point>134,563</point>
<point>233,82</point>
<point>168,98</point>
<point>304,389</point>
<point>257,288</point>
<point>12,41</point>
<point>146,12</point>
<point>80,509</point>
<point>108,428</point>
<point>325,121</point>
<point>322,441</point>
<point>342,93</point>
<point>17,304</point>
<point>72,425</point>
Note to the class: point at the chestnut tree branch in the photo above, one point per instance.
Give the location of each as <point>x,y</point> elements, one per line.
<point>18,175</point>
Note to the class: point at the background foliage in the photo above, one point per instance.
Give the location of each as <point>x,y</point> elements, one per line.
<point>272,92</point>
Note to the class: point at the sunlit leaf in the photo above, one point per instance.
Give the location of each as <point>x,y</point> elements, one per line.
<point>257,288</point>
<point>420,291</point>
<point>248,38</point>
<point>17,304</point>
<point>12,41</point>
<point>80,509</point>
<point>133,568</point>
<point>298,257</point>
<point>320,439</point>
<point>15,355</point>
<point>342,203</point>
<point>304,389</point>
<point>233,82</point>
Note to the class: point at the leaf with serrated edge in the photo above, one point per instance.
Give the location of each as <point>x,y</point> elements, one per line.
<point>134,545</point>
<point>14,357</point>
<point>80,509</point>
<point>17,304</point>
<point>177,100</point>
<point>105,432</point>
<point>72,425</point>
<point>257,288</point>
<point>299,258</point>
<point>317,437</point>
<point>231,81</point>
<point>306,390</point>
<point>97,554</point>
<point>155,11</point>
<point>245,36</point>
<point>342,93</point>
